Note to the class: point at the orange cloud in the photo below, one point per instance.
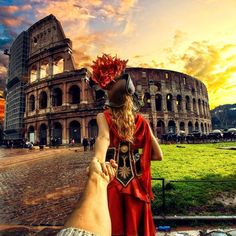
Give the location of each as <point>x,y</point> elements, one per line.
<point>13,22</point>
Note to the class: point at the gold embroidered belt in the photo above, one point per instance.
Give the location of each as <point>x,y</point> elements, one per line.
<point>128,160</point>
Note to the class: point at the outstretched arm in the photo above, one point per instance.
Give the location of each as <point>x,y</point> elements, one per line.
<point>91,213</point>
<point>157,154</point>
<point>103,140</point>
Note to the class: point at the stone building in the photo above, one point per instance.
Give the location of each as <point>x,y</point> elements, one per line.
<point>173,101</point>
<point>60,106</point>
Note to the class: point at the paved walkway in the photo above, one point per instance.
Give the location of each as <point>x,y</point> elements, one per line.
<point>41,187</point>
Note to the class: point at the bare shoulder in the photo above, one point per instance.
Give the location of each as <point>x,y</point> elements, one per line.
<point>100,117</point>
<point>101,120</point>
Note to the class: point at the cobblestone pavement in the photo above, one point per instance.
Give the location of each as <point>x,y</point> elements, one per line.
<point>41,187</point>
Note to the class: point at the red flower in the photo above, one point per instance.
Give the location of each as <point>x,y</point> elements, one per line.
<point>106,69</point>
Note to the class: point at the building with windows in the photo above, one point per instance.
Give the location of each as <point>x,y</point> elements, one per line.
<point>51,102</point>
<point>173,101</point>
<point>15,100</point>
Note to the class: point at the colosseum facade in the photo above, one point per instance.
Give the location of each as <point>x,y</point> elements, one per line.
<point>61,105</point>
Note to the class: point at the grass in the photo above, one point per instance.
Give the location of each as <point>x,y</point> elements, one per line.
<point>196,162</point>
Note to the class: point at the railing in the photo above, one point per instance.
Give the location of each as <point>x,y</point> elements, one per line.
<point>164,181</point>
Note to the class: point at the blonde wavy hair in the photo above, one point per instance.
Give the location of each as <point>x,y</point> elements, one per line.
<point>124,118</point>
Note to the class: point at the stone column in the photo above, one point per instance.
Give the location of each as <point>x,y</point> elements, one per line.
<point>50,67</point>
<point>83,128</point>
<point>83,95</point>
<point>154,113</point>
<point>38,71</point>
<point>65,139</point>
<point>65,95</point>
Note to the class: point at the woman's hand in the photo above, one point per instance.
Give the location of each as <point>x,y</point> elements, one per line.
<point>107,169</point>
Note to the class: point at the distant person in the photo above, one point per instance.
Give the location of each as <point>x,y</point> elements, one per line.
<point>85,143</point>
<point>126,137</point>
<point>91,143</point>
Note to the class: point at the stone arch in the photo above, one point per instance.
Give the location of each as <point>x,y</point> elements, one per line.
<point>179,102</point>
<point>58,65</point>
<point>147,100</point>
<point>202,128</point>
<point>99,94</point>
<point>158,85</point>
<point>160,128</point>
<point>182,126</point>
<point>199,107</point>
<point>205,125</point>
<point>31,103</point>
<point>57,133</point>
<point>187,103</point>
<point>56,97</point>
<point>169,102</point>
<point>92,128</point>
<point>74,94</point>
<point>75,131</point>
<point>158,102</point>
<point>171,127</point>
<point>194,105</point>
<point>190,127</point>
<point>196,126</point>
<point>43,134</point>
<point>33,73</point>
<point>44,69</point>
<point>43,100</point>
<point>31,134</point>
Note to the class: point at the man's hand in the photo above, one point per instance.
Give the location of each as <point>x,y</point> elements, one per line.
<point>107,169</point>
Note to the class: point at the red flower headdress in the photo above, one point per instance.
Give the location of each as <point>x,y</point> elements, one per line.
<point>106,69</point>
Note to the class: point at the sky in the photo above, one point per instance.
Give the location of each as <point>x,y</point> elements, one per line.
<point>196,37</point>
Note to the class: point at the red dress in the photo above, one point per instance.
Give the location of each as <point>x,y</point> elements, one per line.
<point>129,206</point>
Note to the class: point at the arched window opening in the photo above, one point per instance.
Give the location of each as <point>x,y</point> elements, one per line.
<point>33,74</point>
<point>187,103</point>
<point>179,102</point>
<point>31,103</point>
<point>75,131</point>
<point>190,127</point>
<point>169,99</point>
<point>43,134</point>
<point>92,128</point>
<point>57,134</point>
<point>196,126</point>
<point>99,94</point>
<point>194,105</point>
<point>171,127</point>
<point>158,85</point>
<point>182,126</point>
<point>43,100</point>
<point>147,100</point>
<point>58,65</point>
<point>44,69</point>
<point>199,107</point>
<point>74,94</point>
<point>158,101</point>
<point>31,134</point>
<point>205,128</point>
<point>57,97</point>
<point>160,128</point>
<point>202,128</point>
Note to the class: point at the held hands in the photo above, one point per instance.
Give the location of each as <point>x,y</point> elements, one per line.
<point>106,170</point>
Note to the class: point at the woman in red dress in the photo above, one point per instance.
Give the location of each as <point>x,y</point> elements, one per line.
<point>124,135</point>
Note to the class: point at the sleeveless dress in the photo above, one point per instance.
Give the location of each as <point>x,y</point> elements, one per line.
<point>129,205</point>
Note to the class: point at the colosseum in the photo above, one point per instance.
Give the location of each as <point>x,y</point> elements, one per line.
<point>60,104</point>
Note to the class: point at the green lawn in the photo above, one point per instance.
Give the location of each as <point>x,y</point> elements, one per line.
<point>196,162</point>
